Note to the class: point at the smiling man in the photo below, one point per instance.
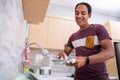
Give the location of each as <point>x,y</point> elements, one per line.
<point>92,44</point>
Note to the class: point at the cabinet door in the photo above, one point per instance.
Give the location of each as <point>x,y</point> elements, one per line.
<point>112,67</point>
<point>59,31</point>
<point>39,33</point>
<point>113,28</point>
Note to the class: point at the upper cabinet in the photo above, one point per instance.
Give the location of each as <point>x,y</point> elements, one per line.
<point>35,10</point>
<point>59,31</point>
<point>113,28</point>
<point>39,33</point>
<point>53,33</point>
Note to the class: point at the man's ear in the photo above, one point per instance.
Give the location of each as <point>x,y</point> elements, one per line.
<point>89,15</point>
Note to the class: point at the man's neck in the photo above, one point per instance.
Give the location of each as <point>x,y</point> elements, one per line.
<point>83,27</point>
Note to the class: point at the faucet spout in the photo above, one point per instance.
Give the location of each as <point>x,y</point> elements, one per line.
<point>43,51</point>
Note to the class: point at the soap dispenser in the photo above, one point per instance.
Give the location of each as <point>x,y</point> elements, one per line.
<point>26,60</point>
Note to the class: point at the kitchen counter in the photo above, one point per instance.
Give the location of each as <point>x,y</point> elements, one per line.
<point>11,75</point>
<point>58,76</point>
<point>55,76</point>
<point>59,72</point>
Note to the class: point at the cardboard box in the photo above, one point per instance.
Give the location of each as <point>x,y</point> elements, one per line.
<point>35,10</point>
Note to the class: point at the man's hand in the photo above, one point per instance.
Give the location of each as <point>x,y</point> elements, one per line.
<point>79,62</point>
<point>62,55</point>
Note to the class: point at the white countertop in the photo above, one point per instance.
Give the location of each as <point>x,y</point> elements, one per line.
<point>54,76</point>
<point>59,76</point>
<point>10,75</point>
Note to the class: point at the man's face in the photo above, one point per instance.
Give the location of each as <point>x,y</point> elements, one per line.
<point>81,15</point>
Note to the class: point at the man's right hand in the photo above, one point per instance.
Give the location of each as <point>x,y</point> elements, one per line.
<point>62,55</point>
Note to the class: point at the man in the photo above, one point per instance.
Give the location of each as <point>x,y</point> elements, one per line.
<point>92,44</point>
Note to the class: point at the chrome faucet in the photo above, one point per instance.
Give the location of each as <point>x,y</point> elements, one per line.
<point>43,50</point>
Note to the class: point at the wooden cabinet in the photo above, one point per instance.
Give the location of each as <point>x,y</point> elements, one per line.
<point>35,10</point>
<point>112,67</point>
<point>53,33</point>
<point>113,28</point>
<point>59,32</point>
<point>39,33</point>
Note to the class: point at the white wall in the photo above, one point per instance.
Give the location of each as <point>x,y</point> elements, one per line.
<point>13,33</point>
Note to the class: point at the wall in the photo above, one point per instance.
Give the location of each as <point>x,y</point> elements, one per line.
<point>13,33</point>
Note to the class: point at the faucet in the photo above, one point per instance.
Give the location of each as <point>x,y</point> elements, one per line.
<point>43,50</point>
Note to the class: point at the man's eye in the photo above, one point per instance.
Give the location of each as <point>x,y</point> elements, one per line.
<point>83,13</point>
<point>76,13</point>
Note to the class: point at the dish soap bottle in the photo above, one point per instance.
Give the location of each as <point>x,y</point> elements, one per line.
<point>26,62</point>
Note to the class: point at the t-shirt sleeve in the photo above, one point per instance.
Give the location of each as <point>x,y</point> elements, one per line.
<point>69,43</point>
<point>102,33</point>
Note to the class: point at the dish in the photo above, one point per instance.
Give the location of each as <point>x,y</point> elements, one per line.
<point>58,61</point>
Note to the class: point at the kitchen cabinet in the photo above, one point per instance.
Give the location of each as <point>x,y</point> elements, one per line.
<point>39,33</point>
<point>35,10</point>
<point>113,27</point>
<point>53,33</point>
<point>59,31</point>
<point>112,67</point>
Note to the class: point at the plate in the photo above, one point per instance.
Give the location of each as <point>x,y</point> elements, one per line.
<point>58,61</point>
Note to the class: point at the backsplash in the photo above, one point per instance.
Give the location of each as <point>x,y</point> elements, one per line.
<point>13,33</point>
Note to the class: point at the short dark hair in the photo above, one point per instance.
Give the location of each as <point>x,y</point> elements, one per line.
<point>87,5</point>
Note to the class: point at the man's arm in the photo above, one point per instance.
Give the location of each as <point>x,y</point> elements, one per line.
<point>66,52</point>
<point>104,55</point>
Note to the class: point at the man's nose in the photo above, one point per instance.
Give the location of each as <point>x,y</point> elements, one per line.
<point>79,15</point>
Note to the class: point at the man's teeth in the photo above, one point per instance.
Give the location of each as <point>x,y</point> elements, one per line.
<point>79,20</point>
